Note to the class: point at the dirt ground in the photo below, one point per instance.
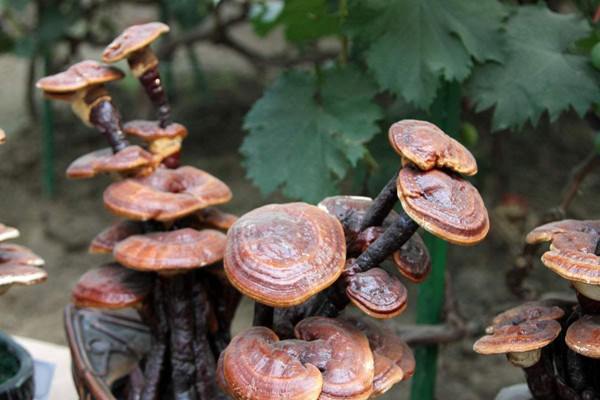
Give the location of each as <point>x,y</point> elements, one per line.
<point>534,164</point>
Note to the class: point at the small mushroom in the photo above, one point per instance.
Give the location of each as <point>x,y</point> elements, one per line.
<point>166,194</point>
<point>164,143</point>
<point>583,336</point>
<point>13,253</point>
<point>131,161</point>
<point>413,259</point>
<point>377,293</point>
<point>111,286</point>
<point>7,233</point>
<point>280,255</point>
<point>134,44</point>
<point>82,86</point>
<point>19,266</point>
<point>530,311</point>
<point>105,241</point>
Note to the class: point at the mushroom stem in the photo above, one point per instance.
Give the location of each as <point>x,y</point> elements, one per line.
<point>540,377</point>
<point>263,315</point>
<point>106,119</point>
<point>180,309</point>
<point>391,240</point>
<point>206,366</point>
<point>381,206</point>
<point>152,83</point>
<point>136,383</point>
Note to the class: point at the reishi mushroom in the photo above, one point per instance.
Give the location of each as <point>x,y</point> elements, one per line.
<point>164,143</point>
<point>132,160</point>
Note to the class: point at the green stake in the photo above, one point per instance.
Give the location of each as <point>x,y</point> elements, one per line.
<point>48,137</point>
<point>445,113</point>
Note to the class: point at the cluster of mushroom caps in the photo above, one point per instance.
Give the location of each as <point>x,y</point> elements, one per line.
<point>18,264</point>
<point>170,242</point>
<point>303,265</point>
<point>557,342</point>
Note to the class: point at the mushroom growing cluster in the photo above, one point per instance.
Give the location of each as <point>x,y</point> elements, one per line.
<point>557,343</point>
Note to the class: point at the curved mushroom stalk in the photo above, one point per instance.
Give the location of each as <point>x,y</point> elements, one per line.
<point>134,44</point>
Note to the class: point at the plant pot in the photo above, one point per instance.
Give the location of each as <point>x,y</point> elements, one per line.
<point>20,386</point>
<point>105,347</point>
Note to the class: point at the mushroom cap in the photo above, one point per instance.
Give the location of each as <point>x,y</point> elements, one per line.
<point>255,367</point>
<point>377,293</point>
<point>151,130</point>
<point>282,254</point>
<point>547,232</point>
<point>342,354</point>
<point>130,159</point>
<point>393,358</point>
<point>413,259</point>
<point>2,136</point>
<point>529,311</point>
<point>429,147</point>
<point>79,76</point>
<point>7,233</point>
<point>132,39</point>
<point>105,241</point>
<point>177,250</point>
<point>583,336</point>
<point>19,265</point>
<point>574,265</point>
<point>527,336</point>
<point>166,194</point>
<point>111,286</point>
<point>444,204</point>
<point>212,217</point>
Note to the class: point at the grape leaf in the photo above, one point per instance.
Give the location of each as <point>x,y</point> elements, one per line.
<point>305,132</point>
<point>412,43</point>
<point>539,73</point>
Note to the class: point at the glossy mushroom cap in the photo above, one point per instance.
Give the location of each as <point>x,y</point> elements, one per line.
<point>132,160</point>
<point>280,255</point>
<point>7,233</point>
<point>427,146</point>
<point>394,360</point>
<point>377,293</point>
<point>530,311</point>
<point>105,241</point>
<point>547,232</point>
<point>111,286</point>
<point>19,265</point>
<point>79,76</point>
<point>444,204</point>
<point>19,254</point>
<point>166,194</point>
<point>573,265</point>
<point>132,39</point>
<point>254,367</point>
<point>211,217</point>
<point>528,336</point>
<point>583,336</point>
<point>151,130</point>
<point>171,251</point>
<point>413,259</point>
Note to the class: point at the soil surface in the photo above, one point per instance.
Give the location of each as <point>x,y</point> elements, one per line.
<point>533,165</point>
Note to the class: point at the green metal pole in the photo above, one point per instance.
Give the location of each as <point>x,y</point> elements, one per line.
<point>48,136</point>
<point>445,113</point>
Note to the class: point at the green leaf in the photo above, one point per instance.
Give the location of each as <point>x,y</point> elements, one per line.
<point>539,74</point>
<point>305,133</point>
<point>302,19</point>
<point>188,13</point>
<point>412,43</point>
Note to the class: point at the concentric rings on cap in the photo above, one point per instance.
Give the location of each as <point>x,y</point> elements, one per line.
<point>526,336</point>
<point>444,204</point>
<point>280,255</point>
<point>583,336</point>
<point>427,146</point>
<point>574,265</point>
<point>377,293</point>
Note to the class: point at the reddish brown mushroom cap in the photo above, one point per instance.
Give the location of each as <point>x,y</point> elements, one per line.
<point>527,336</point>
<point>166,194</point>
<point>132,39</point>
<point>429,147</point>
<point>106,240</point>
<point>342,353</point>
<point>111,286</point>
<point>574,265</point>
<point>214,218</point>
<point>255,367</point>
<point>444,204</point>
<point>530,311</point>
<point>19,265</point>
<point>13,253</point>
<point>281,255</point>
<point>131,160</point>
<point>79,76</point>
<point>7,233</point>
<point>394,360</point>
<point>413,259</point>
<point>171,251</point>
<point>547,232</point>
<point>151,130</point>
<point>377,293</point>
<point>2,136</point>
<point>583,336</point>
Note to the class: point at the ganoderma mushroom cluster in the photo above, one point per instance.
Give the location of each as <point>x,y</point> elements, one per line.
<point>557,342</point>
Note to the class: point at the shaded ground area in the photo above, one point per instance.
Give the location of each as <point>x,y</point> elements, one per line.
<point>533,164</point>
